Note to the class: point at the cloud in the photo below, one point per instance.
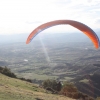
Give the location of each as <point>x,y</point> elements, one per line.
<point>97,21</point>
<point>35,22</point>
<point>24,15</point>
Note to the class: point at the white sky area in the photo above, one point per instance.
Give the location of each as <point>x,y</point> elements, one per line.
<point>22,16</point>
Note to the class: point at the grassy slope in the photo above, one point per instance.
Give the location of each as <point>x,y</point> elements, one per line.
<point>14,89</point>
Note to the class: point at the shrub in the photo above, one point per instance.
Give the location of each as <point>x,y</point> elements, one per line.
<point>53,84</point>
<point>71,91</point>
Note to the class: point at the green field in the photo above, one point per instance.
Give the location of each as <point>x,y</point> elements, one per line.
<point>59,60</point>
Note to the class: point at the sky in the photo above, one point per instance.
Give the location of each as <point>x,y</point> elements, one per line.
<point>22,16</point>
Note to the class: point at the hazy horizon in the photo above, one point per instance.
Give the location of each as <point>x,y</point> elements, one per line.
<point>76,37</point>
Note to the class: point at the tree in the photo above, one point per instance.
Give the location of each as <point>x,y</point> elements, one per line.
<point>7,71</point>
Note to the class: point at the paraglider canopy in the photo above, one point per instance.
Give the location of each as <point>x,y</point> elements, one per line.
<point>80,26</point>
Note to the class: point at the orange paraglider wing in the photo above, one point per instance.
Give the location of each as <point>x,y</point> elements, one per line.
<point>82,27</point>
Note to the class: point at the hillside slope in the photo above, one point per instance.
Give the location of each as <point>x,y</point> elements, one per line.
<point>89,84</point>
<point>14,89</point>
